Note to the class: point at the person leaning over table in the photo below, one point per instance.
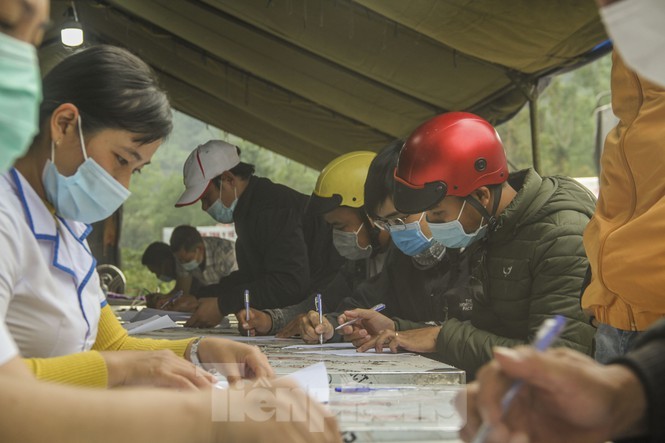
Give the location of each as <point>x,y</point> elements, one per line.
<point>421,283</point>
<point>529,229</point>
<point>159,260</point>
<point>338,198</point>
<point>101,120</point>
<point>95,414</point>
<point>207,259</point>
<point>283,253</point>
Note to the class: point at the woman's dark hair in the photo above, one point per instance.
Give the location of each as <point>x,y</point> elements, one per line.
<point>113,89</point>
<point>380,181</point>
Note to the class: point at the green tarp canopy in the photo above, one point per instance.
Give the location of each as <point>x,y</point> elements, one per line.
<point>312,79</point>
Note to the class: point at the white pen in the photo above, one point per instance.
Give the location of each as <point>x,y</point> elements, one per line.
<point>378,308</point>
<point>549,331</point>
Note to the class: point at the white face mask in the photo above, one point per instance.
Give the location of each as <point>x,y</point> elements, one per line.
<point>637,28</point>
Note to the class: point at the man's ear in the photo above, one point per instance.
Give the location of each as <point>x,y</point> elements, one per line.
<point>229,178</point>
<point>483,195</point>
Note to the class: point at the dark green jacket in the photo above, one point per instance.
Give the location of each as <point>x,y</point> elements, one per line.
<point>530,268</point>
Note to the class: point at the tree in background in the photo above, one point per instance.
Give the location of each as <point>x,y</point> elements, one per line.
<point>567,123</point>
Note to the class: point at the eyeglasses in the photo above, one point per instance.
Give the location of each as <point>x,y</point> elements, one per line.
<point>397,223</point>
<point>386,224</point>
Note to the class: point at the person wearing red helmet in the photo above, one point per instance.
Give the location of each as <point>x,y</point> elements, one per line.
<point>526,228</point>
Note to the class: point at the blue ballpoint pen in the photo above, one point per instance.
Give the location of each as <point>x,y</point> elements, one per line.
<point>549,331</point>
<point>363,388</point>
<point>247,308</point>
<point>319,307</point>
<point>378,308</point>
<point>176,296</point>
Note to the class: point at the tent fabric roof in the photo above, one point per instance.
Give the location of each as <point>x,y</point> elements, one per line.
<point>313,79</point>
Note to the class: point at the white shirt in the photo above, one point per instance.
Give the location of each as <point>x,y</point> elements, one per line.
<point>50,297</point>
<point>8,349</point>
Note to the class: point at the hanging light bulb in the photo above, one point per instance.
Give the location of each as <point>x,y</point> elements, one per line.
<point>71,32</point>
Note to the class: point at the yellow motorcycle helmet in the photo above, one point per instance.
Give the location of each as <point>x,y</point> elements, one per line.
<point>341,183</point>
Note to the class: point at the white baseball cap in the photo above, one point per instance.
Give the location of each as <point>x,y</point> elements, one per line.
<point>206,162</point>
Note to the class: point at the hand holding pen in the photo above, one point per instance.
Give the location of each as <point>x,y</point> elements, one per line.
<point>378,308</point>
<point>548,332</point>
<point>172,300</point>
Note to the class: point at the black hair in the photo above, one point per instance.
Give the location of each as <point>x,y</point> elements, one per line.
<point>185,236</point>
<point>113,89</point>
<point>243,170</point>
<point>380,181</point>
<point>156,254</point>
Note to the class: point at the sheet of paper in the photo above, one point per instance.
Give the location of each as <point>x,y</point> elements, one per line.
<point>150,312</point>
<point>151,324</point>
<point>344,345</point>
<point>314,380</point>
<point>353,353</point>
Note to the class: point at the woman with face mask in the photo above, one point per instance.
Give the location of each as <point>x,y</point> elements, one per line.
<point>61,408</point>
<point>101,120</point>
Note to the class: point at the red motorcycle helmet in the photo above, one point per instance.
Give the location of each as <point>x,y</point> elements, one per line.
<point>451,154</point>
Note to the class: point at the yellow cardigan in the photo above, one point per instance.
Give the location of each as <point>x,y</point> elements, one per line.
<point>89,368</point>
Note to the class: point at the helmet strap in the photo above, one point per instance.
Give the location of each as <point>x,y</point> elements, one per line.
<point>373,230</point>
<point>495,192</point>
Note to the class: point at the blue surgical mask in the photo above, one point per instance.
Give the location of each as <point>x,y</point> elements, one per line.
<point>409,237</point>
<point>452,234</point>
<point>220,212</point>
<point>347,245</point>
<point>88,196</point>
<point>20,94</point>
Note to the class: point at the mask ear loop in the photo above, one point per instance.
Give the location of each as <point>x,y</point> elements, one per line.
<point>85,154</point>
<point>361,226</point>
<point>374,232</point>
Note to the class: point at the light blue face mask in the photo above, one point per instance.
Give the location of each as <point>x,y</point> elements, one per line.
<point>88,196</point>
<point>452,234</point>
<point>20,94</point>
<point>409,237</point>
<point>220,212</point>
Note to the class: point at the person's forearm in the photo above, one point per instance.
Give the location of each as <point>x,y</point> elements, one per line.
<point>70,415</point>
<point>283,316</point>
